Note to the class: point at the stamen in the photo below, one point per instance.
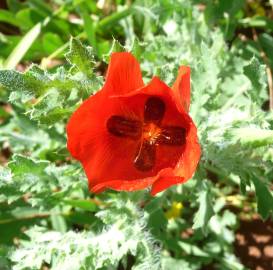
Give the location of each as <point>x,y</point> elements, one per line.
<point>154,110</point>
<point>123,127</point>
<point>145,158</point>
<point>151,132</point>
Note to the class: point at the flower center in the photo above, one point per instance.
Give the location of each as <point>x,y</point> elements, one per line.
<point>149,133</point>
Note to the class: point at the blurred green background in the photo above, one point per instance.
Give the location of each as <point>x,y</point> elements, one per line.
<point>218,39</point>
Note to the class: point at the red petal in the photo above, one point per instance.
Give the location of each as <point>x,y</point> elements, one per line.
<point>191,156</point>
<point>182,88</point>
<point>80,124</point>
<point>130,185</point>
<point>155,88</point>
<point>123,74</point>
<point>120,185</point>
<point>104,156</point>
<point>186,165</point>
<point>164,183</point>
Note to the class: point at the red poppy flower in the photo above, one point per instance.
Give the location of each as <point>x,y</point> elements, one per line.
<point>129,136</point>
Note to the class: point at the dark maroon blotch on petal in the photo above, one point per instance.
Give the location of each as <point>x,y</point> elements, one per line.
<point>145,157</point>
<point>124,127</point>
<point>154,110</point>
<point>172,135</point>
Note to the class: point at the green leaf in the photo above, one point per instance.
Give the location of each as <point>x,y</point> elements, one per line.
<point>46,183</point>
<point>192,249</point>
<point>21,165</point>
<point>58,221</point>
<point>266,42</point>
<point>255,72</point>
<point>5,176</point>
<point>81,57</point>
<point>264,198</point>
<point>116,47</point>
<point>28,18</point>
<point>157,221</point>
<point>169,263</point>
<point>4,253</point>
<point>27,85</point>
<point>20,214</point>
<point>257,21</point>
<point>87,205</point>
<point>126,235</point>
<point>205,211</point>
<point>15,5</point>
<point>51,97</point>
<point>51,42</point>
<point>253,137</point>
<point>8,17</point>
<point>41,7</point>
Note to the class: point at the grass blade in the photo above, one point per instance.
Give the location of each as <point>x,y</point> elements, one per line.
<point>88,25</point>
<point>22,47</point>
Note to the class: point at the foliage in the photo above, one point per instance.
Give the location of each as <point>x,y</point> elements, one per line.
<point>48,217</point>
<point>125,234</point>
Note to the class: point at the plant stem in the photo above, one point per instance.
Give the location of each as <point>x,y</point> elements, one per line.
<point>114,18</point>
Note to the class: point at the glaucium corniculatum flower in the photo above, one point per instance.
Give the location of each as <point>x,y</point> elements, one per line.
<point>129,136</point>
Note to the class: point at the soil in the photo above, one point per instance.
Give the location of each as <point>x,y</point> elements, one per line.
<point>254,244</point>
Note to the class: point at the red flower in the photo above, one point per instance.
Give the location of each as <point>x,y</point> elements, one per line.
<point>129,136</point>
